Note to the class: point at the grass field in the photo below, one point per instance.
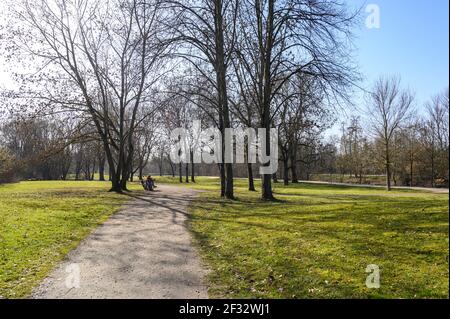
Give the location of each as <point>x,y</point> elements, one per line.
<point>339,178</point>
<point>40,222</point>
<point>317,241</point>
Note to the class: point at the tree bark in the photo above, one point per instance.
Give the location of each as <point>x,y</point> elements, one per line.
<point>432,168</point>
<point>222,91</point>
<point>411,175</point>
<point>192,167</point>
<point>266,59</point>
<point>101,167</point>
<point>222,179</point>
<point>388,168</point>
<point>141,172</point>
<point>172,168</point>
<point>93,171</point>
<point>251,182</point>
<point>285,172</point>
<point>294,166</point>
<point>131,176</point>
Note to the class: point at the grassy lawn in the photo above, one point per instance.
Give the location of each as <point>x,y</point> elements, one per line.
<point>314,243</point>
<point>339,178</point>
<point>318,240</point>
<point>40,222</point>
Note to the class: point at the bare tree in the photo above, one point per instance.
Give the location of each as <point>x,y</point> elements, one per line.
<point>208,27</point>
<point>389,107</point>
<point>281,39</point>
<point>301,112</point>
<point>436,136</point>
<point>111,52</point>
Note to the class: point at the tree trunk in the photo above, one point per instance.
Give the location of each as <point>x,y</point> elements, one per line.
<point>141,169</point>
<point>126,170</point>
<point>266,63</point>
<point>294,165</point>
<point>187,172</point>
<point>192,167</point>
<point>251,182</point>
<point>222,179</point>
<point>114,177</point>
<point>123,184</point>
<point>115,185</point>
<point>432,168</point>
<point>222,91</point>
<point>65,170</point>
<point>285,172</point>
<point>172,168</point>
<point>93,171</point>
<point>388,169</point>
<point>87,170</point>
<point>77,172</point>
<point>229,191</point>
<point>180,171</point>
<point>266,187</point>
<point>101,167</point>
<point>411,172</point>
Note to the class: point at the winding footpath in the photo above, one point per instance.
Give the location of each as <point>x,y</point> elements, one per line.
<point>142,251</point>
<point>426,189</point>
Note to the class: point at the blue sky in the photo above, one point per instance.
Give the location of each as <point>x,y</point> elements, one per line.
<point>412,41</point>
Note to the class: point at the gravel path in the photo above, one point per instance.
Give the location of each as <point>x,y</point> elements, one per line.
<point>142,251</point>
<point>427,189</point>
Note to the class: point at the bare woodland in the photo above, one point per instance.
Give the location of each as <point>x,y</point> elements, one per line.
<point>104,82</point>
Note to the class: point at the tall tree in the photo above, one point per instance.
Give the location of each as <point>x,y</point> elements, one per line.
<point>111,53</point>
<point>281,39</point>
<point>389,107</point>
<point>208,27</point>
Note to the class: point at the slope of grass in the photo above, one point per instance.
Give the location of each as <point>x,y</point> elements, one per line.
<point>41,221</point>
<point>340,178</point>
<point>317,241</point>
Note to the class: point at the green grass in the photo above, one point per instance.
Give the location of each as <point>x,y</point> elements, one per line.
<point>317,241</point>
<point>314,243</point>
<point>40,222</point>
<point>202,182</point>
<point>345,178</point>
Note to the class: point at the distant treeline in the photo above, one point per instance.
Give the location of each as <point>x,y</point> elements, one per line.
<point>101,89</point>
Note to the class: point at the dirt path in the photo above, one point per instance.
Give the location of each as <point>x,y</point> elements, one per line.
<point>142,251</point>
<point>427,189</point>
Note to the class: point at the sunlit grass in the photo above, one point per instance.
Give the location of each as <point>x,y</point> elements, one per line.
<point>41,221</point>
<point>317,241</point>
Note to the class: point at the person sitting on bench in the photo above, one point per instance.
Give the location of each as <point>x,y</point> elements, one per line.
<point>144,184</point>
<point>150,183</point>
